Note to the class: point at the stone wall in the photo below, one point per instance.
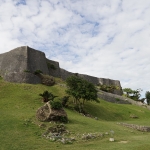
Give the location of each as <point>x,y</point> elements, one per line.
<point>36,61</point>
<point>113,98</point>
<point>95,80</point>
<point>136,127</point>
<point>53,68</point>
<point>14,63</point>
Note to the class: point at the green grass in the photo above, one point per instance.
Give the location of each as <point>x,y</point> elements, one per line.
<point>19,129</point>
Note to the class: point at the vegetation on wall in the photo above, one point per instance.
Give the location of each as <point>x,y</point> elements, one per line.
<point>51,66</point>
<point>37,72</point>
<point>108,88</point>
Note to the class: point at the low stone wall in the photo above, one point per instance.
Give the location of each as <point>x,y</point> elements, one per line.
<point>136,127</point>
<point>113,98</point>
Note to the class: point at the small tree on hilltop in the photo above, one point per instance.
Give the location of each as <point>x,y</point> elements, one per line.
<point>47,96</point>
<point>79,89</point>
<point>147,95</point>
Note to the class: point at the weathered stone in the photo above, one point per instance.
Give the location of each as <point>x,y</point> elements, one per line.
<point>46,79</point>
<point>136,127</point>
<point>45,113</point>
<point>15,64</point>
<point>133,116</point>
<point>113,98</point>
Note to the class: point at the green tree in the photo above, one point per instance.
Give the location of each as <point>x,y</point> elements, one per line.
<point>47,96</point>
<point>81,89</point>
<point>147,95</point>
<point>127,91</point>
<point>133,94</point>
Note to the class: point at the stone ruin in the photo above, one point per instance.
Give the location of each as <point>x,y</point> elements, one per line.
<point>19,64</point>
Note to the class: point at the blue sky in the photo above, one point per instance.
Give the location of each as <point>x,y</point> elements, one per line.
<point>103,38</point>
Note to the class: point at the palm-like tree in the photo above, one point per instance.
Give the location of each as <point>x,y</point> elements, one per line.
<point>47,96</point>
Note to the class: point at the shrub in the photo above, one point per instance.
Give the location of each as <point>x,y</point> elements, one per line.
<point>117,99</point>
<point>63,119</point>
<point>37,72</point>
<point>108,88</point>
<point>27,71</point>
<point>47,96</point>
<point>64,100</point>
<point>56,105</point>
<point>51,66</point>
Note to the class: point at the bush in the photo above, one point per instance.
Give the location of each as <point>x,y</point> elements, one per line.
<point>37,72</point>
<point>27,71</point>
<point>63,119</point>
<point>51,66</point>
<point>64,101</point>
<point>47,96</point>
<point>117,99</point>
<point>108,88</point>
<point>56,105</point>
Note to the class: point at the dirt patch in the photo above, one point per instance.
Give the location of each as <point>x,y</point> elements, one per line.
<point>123,142</point>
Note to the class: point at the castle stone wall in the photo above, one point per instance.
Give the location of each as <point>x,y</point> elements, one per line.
<point>91,79</point>
<point>14,63</point>
<point>53,71</point>
<point>113,98</point>
<point>65,74</point>
<point>36,61</point>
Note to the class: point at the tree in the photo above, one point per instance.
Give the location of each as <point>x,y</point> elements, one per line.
<point>133,94</point>
<point>147,95</point>
<point>127,91</point>
<point>79,89</point>
<point>47,96</point>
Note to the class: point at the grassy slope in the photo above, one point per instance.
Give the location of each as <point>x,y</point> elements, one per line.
<point>19,128</point>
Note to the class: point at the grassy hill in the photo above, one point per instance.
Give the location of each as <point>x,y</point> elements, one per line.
<point>19,128</point>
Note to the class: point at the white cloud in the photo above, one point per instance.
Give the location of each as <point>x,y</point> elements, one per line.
<point>103,38</point>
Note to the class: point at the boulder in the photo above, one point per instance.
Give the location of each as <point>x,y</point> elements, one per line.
<point>46,79</point>
<point>46,113</point>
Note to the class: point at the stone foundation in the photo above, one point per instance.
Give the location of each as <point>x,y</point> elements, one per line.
<point>136,127</point>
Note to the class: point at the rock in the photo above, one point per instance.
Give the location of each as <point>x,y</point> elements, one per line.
<point>111,139</point>
<point>46,79</point>
<point>45,113</point>
<point>133,116</point>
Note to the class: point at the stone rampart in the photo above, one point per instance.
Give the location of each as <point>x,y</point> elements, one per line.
<point>65,74</point>
<point>53,68</point>
<point>113,98</point>
<point>14,63</point>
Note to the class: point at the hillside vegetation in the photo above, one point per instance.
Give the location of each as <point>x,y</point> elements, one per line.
<point>20,130</point>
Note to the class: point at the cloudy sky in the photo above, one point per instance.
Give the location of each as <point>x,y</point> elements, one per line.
<point>103,38</point>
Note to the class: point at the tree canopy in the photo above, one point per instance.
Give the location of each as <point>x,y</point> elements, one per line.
<point>81,89</point>
<point>147,95</point>
<point>133,94</point>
